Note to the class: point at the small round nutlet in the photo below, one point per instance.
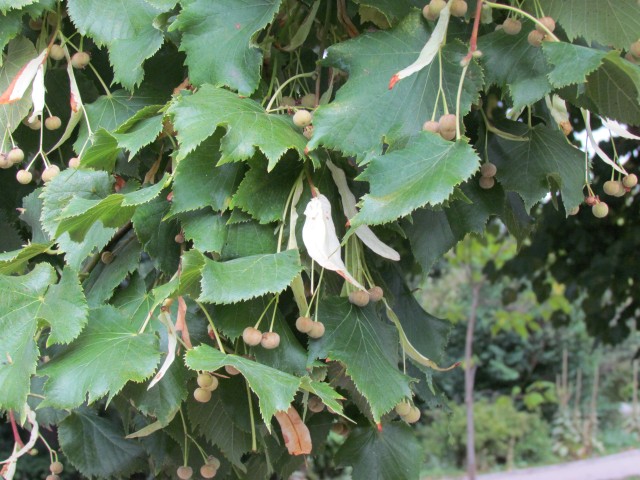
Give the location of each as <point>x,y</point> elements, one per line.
<point>302,118</point>
<point>435,7</point>
<point>600,210</point>
<point>270,340</point>
<point>317,330</point>
<point>52,123</point>
<point>56,468</point>
<point>488,170</point>
<point>413,416</point>
<point>24,177</point>
<point>106,257</point>
<point>202,395</point>
<point>56,52</point>
<point>15,155</point>
<point>214,461</point>
<point>375,294</point>
<point>630,181</point>
<point>184,472</point>
<point>308,100</point>
<point>611,187</point>
<point>205,380</point>
<point>53,476</point>
<point>535,38</point>
<point>548,22</point>
<point>74,162</point>
<point>252,336</point>
<point>590,200</point>
<point>426,13</point>
<point>339,428</point>
<point>486,182</point>
<point>512,26</point>
<point>431,126</point>
<point>574,211</point>
<point>208,471</point>
<point>360,298</point>
<point>4,161</point>
<point>315,404</point>
<point>49,173</point>
<point>304,324</point>
<point>287,102</point>
<point>80,59</point>
<point>403,409</point>
<point>621,190</point>
<point>231,370</point>
<point>459,8</point>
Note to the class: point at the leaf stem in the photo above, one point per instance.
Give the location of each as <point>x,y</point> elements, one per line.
<point>254,443</point>
<point>213,327</point>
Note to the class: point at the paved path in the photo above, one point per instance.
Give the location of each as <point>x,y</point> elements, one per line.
<point>621,466</point>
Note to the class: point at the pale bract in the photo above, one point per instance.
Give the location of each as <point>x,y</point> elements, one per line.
<point>31,74</point>
<point>586,114</point>
<point>429,50</point>
<point>320,238</point>
<point>363,232</point>
<point>618,130</point>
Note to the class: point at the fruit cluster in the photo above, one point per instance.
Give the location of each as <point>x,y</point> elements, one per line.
<point>446,126</point>
<point>432,11</point>
<point>633,54</point>
<point>207,383</point>
<point>409,413</point>
<point>487,171</point>
<point>540,34</point>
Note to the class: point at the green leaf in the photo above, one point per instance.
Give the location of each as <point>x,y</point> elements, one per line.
<point>248,125</point>
<point>614,88</point>
<point>141,133</point>
<point>134,301</point>
<point>431,167</point>
<point>392,453</point>
<point>512,63</point>
<point>609,22</point>
<point>163,400</point>
<point>207,229</point>
<point>365,113</point>
<point>582,60</point>
<point>72,185</point>
<point>26,300</point>
<point>10,27</point>
<point>392,10</point>
<point>104,278</point>
<point>102,153</point>
<point>249,238</point>
<point>229,27</point>
<point>359,339</point>
<point>428,334</point>
<point>19,52</point>
<point>13,4</point>
<point>17,260</point>
<point>157,236</point>
<point>432,233</point>
<point>547,155</point>
<point>128,31</point>
<point>248,277</point>
<point>215,421</point>
<point>192,263</point>
<point>106,355</point>
<point>275,389</point>
<point>114,210</point>
<point>32,209</point>
<point>199,181</point>
<point>96,446</point>
<point>262,194</point>
<point>111,112</point>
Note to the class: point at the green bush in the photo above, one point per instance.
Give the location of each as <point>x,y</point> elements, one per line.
<point>504,436</point>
